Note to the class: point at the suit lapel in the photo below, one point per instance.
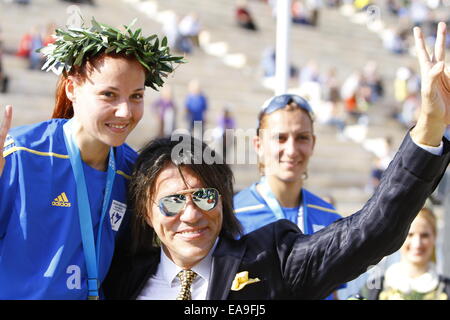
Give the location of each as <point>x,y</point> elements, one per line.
<point>225,263</point>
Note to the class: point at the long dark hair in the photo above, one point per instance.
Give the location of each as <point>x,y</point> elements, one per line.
<point>155,157</point>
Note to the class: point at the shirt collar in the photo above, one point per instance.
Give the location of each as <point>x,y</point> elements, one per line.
<point>170,269</point>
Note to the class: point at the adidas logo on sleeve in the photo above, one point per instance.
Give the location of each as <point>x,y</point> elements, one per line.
<point>61,201</point>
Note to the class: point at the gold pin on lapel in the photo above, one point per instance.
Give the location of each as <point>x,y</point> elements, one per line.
<point>241,280</point>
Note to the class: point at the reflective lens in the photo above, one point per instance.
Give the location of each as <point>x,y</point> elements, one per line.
<point>205,198</point>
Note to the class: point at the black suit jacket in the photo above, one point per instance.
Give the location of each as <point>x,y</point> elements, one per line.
<point>292,265</point>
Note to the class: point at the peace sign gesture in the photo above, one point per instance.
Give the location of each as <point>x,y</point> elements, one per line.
<point>4,128</point>
<point>435,110</point>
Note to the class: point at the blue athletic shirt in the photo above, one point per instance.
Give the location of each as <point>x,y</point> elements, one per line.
<point>41,251</point>
<point>253,213</point>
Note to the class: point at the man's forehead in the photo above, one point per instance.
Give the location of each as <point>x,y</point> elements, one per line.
<point>170,180</point>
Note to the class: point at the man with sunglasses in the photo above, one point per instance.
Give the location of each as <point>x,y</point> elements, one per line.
<point>184,242</point>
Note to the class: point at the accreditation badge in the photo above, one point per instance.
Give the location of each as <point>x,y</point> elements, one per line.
<point>116,214</point>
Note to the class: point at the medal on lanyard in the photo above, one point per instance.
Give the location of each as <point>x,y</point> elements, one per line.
<point>90,248</point>
<point>274,205</point>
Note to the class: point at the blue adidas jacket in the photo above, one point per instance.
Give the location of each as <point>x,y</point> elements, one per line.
<point>41,252</point>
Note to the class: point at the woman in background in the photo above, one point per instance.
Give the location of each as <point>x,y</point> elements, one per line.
<point>415,277</point>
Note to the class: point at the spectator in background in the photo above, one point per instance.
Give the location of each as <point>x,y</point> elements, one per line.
<point>36,59</point>
<point>349,93</point>
<point>190,27</point>
<point>332,101</point>
<point>393,41</point>
<point>309,73</point>
<point>401,84</point>
<point>3,77</point>
<point>299,13</point>
<point>243,16</point>
<point>196,105</point>
<point>268,62</point>
<point>184,41</point>
<point>376,172</point>
<point>24,45</point>
<point>170,29</point>
<point>225,122</point>
<point>268,65</point>
<point>314,7</point>
<point>383,153</point>
<point>415,277</point>
<point>413,82</point>
<point>410,110</point>
<point>29,43</point>
<point>393,7</point>
<point>165,108</point>
<point>373,80</point>
<point>50,35</point>
<point>407,94</point>
<point>4,80</point>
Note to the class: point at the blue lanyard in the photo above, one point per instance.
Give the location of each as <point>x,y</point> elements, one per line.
<point>91,251</point>
<point>275,207</point>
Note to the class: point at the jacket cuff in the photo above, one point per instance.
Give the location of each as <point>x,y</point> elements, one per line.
<point>427,164</point>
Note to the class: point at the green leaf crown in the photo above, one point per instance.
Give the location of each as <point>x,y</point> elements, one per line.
<point>74,45</point>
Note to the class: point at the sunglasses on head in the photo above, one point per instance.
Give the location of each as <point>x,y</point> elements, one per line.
<point>204,198</point>
<point>279,102</point>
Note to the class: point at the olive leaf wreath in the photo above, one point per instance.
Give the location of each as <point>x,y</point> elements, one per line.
<point>73,45</point>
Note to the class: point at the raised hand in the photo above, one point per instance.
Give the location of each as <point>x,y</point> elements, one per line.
<point>435,110</point>
<point>4,128</point>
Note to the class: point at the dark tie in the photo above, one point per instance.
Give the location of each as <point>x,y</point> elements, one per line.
<point>186,277</point>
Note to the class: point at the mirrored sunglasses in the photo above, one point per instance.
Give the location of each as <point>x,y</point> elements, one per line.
<point>205,198</point>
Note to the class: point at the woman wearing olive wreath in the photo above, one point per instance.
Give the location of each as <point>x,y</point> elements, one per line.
<point>63,182</point>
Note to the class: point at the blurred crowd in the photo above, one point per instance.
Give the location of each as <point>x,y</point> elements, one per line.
<point>407,14</point>
<point>342,101</point>
<point>394,19</point>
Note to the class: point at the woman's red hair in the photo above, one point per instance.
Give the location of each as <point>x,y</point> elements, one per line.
<point>63,105</point>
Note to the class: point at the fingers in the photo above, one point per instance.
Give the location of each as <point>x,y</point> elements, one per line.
<point>436,70</point>
<point>421,50</point>
<point>6,124</point>
<point>439,46</point>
